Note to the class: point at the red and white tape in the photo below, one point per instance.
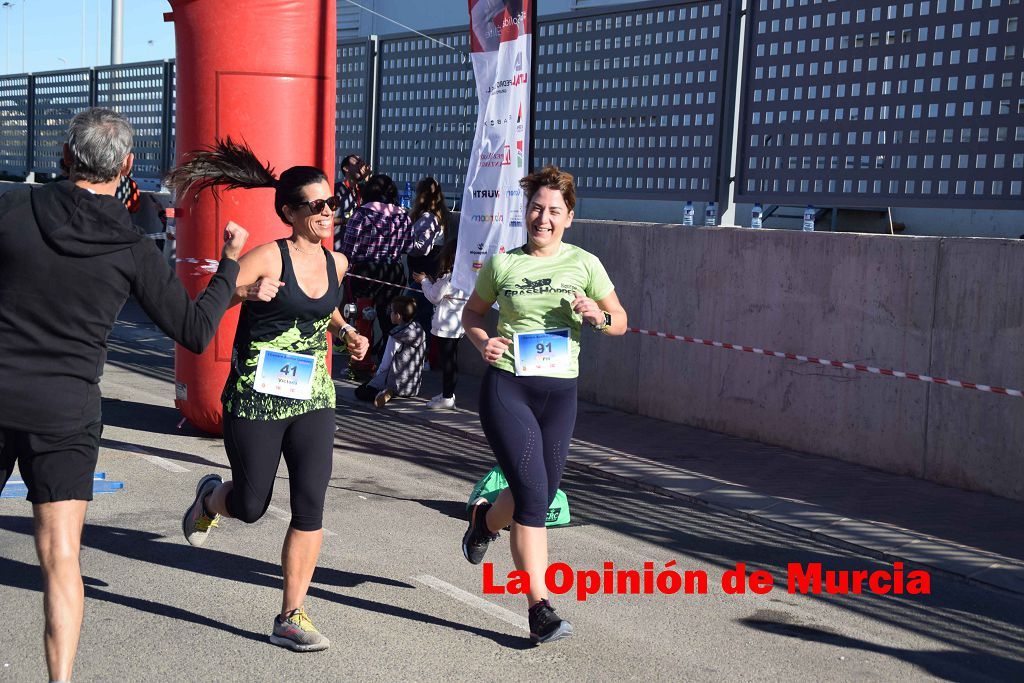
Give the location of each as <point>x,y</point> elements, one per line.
<point>381,282</point>
<point>211,266</point>
<point>834,363</point>
<point>392,284</point>
<point>206,265</point>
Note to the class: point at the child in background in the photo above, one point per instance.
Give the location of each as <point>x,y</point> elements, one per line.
<point>429,215</point>
<point>401,368</point>
<point>446,325</point>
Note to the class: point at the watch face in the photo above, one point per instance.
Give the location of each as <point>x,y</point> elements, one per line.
<point>607,318</point>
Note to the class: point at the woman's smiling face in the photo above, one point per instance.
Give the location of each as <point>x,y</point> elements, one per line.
<point>547,217</point>
<point>316,226</point>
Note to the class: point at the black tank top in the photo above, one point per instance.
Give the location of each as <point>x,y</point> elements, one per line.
<point>293,322</point>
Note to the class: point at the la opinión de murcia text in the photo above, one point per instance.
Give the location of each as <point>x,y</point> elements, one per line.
<point>811,578</point>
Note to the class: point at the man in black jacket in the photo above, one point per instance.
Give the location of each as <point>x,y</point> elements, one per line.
<point>69,258</point>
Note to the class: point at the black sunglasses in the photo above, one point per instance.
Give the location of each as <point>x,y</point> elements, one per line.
<point>317,205</point>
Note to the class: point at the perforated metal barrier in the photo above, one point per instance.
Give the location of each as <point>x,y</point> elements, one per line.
<point>873,103</point>
<point>353,103</point>
<point>628,99</point>
<point>14,124</point>
<point>427,109</point>
<point>35,111</point>
<point>56,97</point>
<point>136,91</point>
<point>172,104</point>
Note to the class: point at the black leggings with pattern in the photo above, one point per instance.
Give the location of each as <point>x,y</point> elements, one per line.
<point>254,448</point>
<point>528,422</point>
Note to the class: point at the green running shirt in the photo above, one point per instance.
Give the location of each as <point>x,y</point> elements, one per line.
<point>535,293</point>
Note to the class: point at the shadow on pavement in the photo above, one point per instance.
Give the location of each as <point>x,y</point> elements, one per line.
<point>988,625</point>
<point>947,664</point>
<point>147,547</point>
<point>148,418</point>
<point>26,576</point>
<point>448,508</point>
<point>163,453</point>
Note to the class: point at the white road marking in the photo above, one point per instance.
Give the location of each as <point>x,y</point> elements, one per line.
<point>163,462</point>
<point>150,457</point>
<point>474,601</point>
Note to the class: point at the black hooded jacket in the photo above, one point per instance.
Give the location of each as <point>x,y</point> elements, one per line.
<point>68,261</point>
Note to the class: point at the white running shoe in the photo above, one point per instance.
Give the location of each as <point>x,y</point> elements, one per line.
<point>439,402</point>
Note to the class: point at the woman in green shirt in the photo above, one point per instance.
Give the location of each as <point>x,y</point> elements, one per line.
<point>545,291</point>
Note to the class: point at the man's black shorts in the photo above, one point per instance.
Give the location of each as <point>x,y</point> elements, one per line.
<point>54,468</point>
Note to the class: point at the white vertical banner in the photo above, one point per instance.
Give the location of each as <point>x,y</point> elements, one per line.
<point>501,37</point>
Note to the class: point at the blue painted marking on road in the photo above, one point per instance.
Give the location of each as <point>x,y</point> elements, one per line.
<point>16,488</point>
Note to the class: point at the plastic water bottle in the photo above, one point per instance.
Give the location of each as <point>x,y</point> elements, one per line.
<point>711,215</point>
<point>809,219</point>
<point>688,214</point>
<point>407,196</point>
<point>755,215</point>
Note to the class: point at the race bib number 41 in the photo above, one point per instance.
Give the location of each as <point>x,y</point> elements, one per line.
<point>282,373</point>
<point>542,353</point>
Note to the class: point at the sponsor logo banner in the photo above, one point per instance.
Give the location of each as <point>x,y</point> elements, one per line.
<point>492,202</point>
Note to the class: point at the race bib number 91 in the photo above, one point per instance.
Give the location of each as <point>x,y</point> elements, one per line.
<point>282,373</point>
<point>542,353</point>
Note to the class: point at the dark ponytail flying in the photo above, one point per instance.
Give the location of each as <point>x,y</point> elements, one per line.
<point>232,166</point>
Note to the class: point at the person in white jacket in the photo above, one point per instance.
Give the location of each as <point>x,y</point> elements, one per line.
<point>446,324</point>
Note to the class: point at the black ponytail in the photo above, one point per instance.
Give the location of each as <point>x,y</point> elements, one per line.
<point>223,164</point>
<point>232,166</point>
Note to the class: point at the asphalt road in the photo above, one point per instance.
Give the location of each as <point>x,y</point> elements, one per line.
<point>397,599</point>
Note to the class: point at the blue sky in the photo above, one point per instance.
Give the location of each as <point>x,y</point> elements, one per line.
<point>54,33</point>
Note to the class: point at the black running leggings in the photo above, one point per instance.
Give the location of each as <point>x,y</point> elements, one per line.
<point>254,448</point>
<point>448,350</point>
<point>528,422</point>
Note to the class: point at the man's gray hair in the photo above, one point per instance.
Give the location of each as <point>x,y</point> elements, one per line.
<point>100,140</point>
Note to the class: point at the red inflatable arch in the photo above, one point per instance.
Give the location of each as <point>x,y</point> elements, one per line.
<point>262,71</point>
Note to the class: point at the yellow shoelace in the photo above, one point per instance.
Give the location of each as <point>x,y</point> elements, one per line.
<point>300,619</point>
<point>204,523</point>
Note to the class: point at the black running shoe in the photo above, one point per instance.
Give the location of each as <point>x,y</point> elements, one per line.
<point>477,536</point>
<point>545,625</point>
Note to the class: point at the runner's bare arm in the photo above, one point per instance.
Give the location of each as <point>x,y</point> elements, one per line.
<point>491,348</point>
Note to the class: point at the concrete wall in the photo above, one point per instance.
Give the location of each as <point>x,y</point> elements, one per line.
<point>919,222</point>
<point>948,307</point>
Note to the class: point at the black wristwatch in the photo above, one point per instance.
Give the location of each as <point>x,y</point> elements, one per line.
<point>606,323</point>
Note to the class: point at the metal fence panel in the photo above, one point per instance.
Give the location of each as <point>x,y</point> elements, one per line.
<point>844,103</point>
<point>136,91</point>
<point>629,99</point>
<point>352,135</point>
<point>427,109</point>
<point>172,104</point>
<point>14,122</point>
<point>58,96</point>
<point>874,103</point>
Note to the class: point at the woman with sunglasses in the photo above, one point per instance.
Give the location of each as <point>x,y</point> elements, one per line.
<point>279,397</point>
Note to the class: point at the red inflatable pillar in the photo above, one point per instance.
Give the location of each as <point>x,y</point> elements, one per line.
<point>262,71</point>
